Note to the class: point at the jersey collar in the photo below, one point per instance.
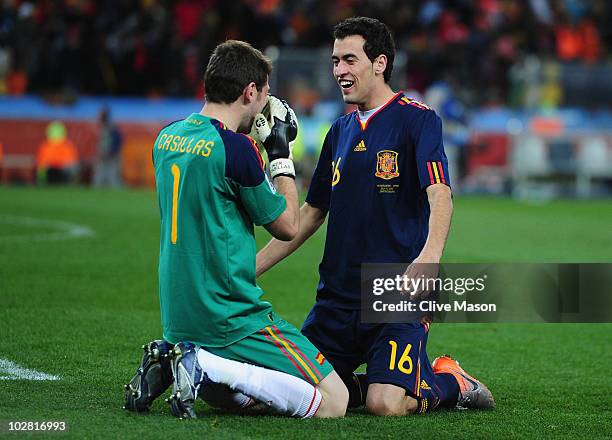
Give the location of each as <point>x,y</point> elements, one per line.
<point>201,117</point>
<point>364,125</point>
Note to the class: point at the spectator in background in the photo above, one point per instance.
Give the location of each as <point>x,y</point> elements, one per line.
<point>591,44</point>
<point>578,40</point>
<point>57,160</point>
<point>153,48</point>
<point>108,153</point>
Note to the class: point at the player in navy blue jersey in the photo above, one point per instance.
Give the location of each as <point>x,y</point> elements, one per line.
<point>383,181</point>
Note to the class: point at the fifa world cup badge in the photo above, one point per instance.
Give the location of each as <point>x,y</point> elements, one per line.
<point>386,164</point>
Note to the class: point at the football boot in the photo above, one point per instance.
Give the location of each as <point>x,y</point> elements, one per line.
<point>472,392</point>
<point>152,378</point>
<point>188,377</point>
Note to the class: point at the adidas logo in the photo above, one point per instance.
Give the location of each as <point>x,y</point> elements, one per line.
<point>424,385</point>
<point>360,146</point>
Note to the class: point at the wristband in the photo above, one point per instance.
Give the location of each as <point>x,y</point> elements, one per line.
<point>282,167</point>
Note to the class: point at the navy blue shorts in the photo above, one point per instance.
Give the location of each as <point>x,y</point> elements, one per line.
<point>394,353</point>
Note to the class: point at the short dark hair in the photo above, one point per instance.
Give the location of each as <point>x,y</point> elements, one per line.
<point>232,66</point>
<point>377,36</point>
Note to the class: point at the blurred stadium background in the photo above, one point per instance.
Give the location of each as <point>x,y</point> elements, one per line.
<point>524,87</point>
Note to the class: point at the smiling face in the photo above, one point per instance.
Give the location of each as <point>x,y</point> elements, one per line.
<point>357,76</point>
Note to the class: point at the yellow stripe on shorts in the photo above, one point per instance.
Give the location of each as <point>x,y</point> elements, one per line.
<point>295,355</point>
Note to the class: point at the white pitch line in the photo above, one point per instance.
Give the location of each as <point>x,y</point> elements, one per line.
<point>16,372</point>
<point>64,230</point>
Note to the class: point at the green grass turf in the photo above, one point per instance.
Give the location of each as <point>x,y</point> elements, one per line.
<point>80,308</point>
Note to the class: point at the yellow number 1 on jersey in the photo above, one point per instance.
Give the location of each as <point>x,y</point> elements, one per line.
<point>176,174</point>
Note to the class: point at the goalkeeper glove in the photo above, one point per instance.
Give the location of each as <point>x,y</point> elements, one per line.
<point>276,132</point>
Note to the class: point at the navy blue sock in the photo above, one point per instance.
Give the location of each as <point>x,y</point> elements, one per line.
<point>357,385</point>
<point>448,389</point>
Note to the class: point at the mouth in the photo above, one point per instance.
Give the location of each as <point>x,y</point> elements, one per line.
<point>346,84</point>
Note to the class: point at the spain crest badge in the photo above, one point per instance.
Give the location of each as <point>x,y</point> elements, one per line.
<point>386,164</point>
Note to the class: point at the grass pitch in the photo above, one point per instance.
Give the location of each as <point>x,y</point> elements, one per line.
<point>79,308</point>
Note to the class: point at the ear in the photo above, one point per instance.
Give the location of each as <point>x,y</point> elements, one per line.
<point>380,64</point>
<point>249,93</point>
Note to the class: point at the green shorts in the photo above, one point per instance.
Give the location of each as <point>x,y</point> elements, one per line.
<point>279,346</point>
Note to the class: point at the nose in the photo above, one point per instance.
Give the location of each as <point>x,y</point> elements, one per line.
<point>340,69</point>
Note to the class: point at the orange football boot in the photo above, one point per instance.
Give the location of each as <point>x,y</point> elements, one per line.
<point>472,392</point>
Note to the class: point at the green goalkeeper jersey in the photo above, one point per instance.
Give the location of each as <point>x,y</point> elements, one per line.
<point>211,189</point>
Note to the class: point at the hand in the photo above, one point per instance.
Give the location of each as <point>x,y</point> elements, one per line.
<point>421,274</point>
<point>260,130</point>
<point>276,132</point>
<point>283,129</point>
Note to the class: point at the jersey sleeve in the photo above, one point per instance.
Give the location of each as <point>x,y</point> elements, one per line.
<point>431,160</point>
<point>245,167</point>
<point>319,193</point>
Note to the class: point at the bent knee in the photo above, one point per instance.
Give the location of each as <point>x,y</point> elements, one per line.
<point>335,397</point>
<point>332,407</point>
<point>381,404</point>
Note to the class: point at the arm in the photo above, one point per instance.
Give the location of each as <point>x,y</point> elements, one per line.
<point>287,225</point>
<point>311,219</point>
<point>432,167</point>
<point>277,139</point>
<point>441,209</point>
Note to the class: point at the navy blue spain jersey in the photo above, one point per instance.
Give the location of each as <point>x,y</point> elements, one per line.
<point>371,179</point>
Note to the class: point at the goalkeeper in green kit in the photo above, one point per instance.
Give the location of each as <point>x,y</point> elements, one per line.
<point>220,341</point>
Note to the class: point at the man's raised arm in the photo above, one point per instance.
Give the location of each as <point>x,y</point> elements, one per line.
<point>311,219</point>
